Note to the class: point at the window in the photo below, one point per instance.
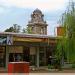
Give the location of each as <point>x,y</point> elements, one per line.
<point>41,31</point>
<point>2,56</point>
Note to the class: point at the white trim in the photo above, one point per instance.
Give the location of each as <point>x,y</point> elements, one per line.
<point>27,35</point>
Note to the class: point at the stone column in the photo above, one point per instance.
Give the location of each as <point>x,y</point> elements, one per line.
<point>45,56</point>
<point>37,57</point>
<point>7,56</point>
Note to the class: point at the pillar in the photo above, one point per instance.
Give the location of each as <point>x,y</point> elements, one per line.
<point>37,57</point>
<point>7,56</point>
<point>45,56</point>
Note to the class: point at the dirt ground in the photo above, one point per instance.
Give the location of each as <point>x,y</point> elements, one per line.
<point>55,71</point>
<point>49,71</point>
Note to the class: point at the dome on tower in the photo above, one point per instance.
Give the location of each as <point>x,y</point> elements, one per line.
<point>37,11</point>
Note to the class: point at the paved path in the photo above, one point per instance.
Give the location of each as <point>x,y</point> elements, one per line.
<point>40,74</point>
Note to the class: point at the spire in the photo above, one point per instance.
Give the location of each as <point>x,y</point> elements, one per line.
<point>37,25</point>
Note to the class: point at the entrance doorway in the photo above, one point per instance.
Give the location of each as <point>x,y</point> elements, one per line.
<point>32,56</point>
<point>26,54</point>
<point>18,53</point>
<point>15,53</point>
<point>15,57</point>
<point>42,56</point>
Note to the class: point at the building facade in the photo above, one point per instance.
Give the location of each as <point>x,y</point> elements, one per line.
<point>34,48</point>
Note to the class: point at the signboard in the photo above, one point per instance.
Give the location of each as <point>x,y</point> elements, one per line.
<point>60,31</point>
<point>3,40</point>
<point>15,49</point>
<point>9,40</point>
<point>27,39</point>
<point>6,40</point>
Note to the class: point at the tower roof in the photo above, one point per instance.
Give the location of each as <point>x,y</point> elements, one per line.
<point>37,11</point>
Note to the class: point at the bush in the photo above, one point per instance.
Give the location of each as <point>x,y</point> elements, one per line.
<point>50,66</point>
<point>73,65</point>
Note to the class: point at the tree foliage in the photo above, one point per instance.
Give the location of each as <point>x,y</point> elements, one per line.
<point>15,28</point>
<point>27,30</point>
<point>9,29</point>
<point>65,50</point>
<point>68,22</point>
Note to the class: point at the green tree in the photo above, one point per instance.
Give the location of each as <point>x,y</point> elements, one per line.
<point>68,22</point>
<point>27,30</point>
<point>65,50</point>
<point>24,30</point>
<point>9,29</point>
<point>15,28</point>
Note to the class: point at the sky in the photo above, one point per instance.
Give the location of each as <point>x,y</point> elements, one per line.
<point>19,12</point>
